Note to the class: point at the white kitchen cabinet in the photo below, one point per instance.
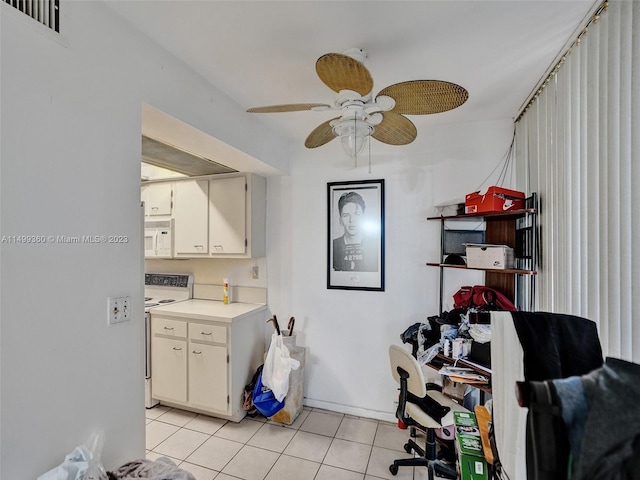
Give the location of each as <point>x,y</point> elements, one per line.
<point>215,216</point>
<point>237,216</point>
<point>169,358</point>
<point>157,198</point>
<point>169,369</point>
<point>190,213</point>
<point>208,376</point>
<point>222,346</point>
<point>227,215</point>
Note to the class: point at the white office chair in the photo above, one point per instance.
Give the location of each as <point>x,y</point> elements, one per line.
<point>421,406</point>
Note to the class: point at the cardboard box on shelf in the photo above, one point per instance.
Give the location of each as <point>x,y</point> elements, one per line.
<point>481,255</point>
<point>495,199</point>
<point>471,461</point>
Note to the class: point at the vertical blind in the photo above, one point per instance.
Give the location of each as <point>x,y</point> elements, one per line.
<point>578,146</point>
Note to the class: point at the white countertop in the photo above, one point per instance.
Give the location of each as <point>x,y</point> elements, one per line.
<point>208,310</point>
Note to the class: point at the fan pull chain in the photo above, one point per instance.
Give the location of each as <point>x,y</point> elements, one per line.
<point>355,143</point>
<point>369,141</point>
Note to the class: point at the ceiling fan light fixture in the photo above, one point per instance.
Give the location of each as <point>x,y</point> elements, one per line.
<point>353,135</point>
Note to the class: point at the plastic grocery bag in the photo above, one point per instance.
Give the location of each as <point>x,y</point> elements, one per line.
<point>263,399</point>
<point>278,364</point>
<point>81,464</point>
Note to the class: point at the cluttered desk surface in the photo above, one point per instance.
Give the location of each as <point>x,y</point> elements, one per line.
<point>462,371</point>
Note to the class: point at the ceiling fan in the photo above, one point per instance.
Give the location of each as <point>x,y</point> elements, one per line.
<point>361,115</point>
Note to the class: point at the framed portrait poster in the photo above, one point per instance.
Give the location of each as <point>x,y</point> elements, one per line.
<point>355,244</point>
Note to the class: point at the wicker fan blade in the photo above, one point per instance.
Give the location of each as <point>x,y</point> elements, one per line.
<point>341,72</point>
<point>321,134</point>
<point>293,107</point>
<point>420,97</point>
<point>395,129</point>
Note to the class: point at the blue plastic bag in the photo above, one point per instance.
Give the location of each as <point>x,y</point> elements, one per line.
<point>264,400</point>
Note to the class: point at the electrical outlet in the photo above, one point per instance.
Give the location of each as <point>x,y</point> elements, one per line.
<point>255,274</point>
<point>114,310</point>
<point>118,310</point>
<point>126,310</point>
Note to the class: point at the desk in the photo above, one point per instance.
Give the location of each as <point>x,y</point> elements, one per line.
<point>441,360</point>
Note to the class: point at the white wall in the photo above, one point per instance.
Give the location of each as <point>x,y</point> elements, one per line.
<point>348,333</point>
<point>70,165</point>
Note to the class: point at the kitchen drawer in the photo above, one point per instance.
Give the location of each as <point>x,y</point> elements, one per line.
<point>204,332</point>
<point>168,326</point>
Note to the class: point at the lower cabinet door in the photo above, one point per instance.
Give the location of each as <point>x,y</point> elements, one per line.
<point>208,379</point>
<point>169,369</point>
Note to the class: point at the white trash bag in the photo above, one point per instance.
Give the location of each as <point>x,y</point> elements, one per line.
<point>81,464</point>
<point>278,364</point>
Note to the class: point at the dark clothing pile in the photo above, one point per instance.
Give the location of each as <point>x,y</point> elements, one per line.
<point>160,469</point>
<point>597,401</point>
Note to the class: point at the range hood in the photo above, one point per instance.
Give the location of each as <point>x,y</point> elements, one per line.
<point>170,157</point>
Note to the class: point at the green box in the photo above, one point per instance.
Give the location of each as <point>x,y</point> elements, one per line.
<point>469,447</point>
<point>472,467</point>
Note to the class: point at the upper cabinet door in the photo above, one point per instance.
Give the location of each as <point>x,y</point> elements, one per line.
<point>157,198</point>
<point>227,215</point>
<point>190,213</point>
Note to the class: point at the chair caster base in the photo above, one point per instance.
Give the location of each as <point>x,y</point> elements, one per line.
<point>393,469</point>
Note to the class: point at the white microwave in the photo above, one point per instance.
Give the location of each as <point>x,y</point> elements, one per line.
<point>158,239</point>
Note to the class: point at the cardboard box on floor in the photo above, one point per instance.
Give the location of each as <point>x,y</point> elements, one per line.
<point>471,462</point>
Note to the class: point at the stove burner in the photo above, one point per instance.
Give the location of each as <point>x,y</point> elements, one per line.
<point>151,305</point>
<point>166,300</point>
<point>146,299</point>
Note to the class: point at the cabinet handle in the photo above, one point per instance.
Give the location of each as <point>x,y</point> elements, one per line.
<point>218,247</point>
<point>206,333</point>
<point>168,328</point>
<point>176,348</point>
<point>196,353</point>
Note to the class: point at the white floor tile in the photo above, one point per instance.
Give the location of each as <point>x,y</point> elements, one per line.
<point>181,444</point>
<point>272,437</point>
<point>292,468</point>
<point>158,432</point>
<point>327,472</point>
<point>357,430</point>
<point>205,424</point>
<point>156,411</point>
<point>320,445</point>
<point>390,436</point>
<point>177,417</point>
<point>215,453</point>
<point>322,423</point>
<point>251,463</point>
<point>199,472</point>
<point>309,446</point>
<point>348,455</point>
<point>380,460</point>
<point>239,432</point>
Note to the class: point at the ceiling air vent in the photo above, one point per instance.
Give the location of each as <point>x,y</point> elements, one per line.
<point>47,12</point>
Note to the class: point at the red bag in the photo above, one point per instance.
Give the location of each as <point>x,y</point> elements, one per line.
<point>481,298</point>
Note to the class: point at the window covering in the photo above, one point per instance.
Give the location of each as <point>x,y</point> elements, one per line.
<point>578,146</point>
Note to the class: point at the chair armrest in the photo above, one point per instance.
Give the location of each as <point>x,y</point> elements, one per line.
<point>433,386</point>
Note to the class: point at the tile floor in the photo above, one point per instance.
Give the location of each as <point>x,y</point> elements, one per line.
<point>319,445</point>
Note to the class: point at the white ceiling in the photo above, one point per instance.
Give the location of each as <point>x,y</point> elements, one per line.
<point>264,52</point>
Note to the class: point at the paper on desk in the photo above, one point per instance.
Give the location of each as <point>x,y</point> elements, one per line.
<point>463,375</point>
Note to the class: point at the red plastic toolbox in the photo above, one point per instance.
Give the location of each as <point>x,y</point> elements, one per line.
<point>496,199</point>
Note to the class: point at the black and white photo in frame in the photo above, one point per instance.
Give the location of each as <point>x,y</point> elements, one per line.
<point>355,243</point>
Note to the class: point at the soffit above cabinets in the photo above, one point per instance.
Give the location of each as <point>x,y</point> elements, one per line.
<point>170,157</point>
